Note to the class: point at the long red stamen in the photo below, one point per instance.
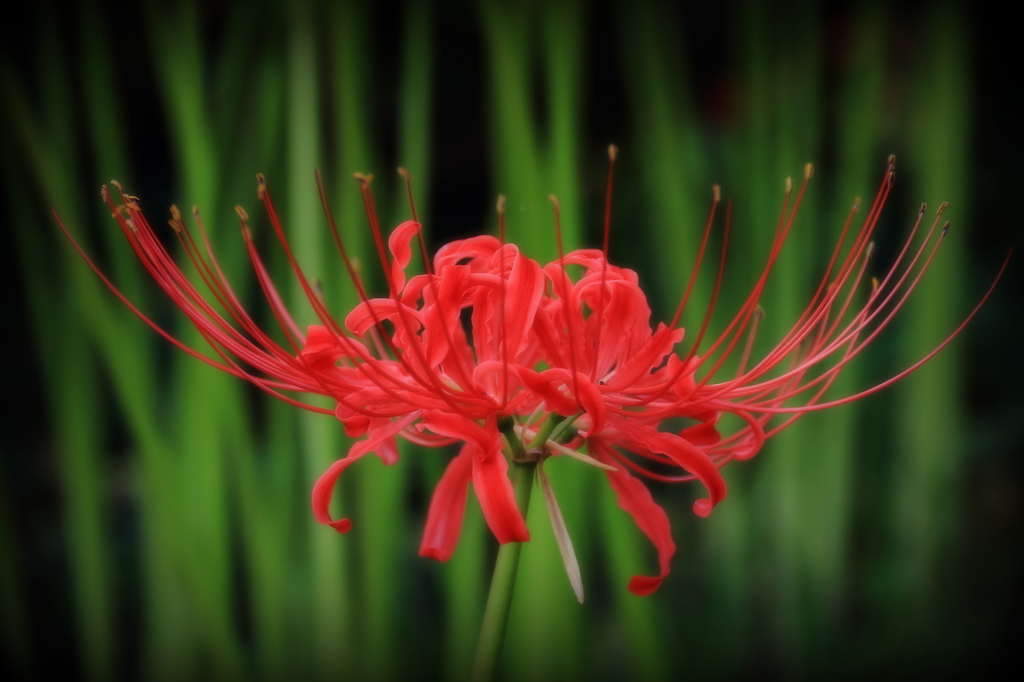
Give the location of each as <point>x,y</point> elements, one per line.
<point>504,331</point>
<point>716,196</point>
<point>718,282</point>
<point>912,368</point>
<point>464,375</point>
<point>380,377</point>
<point>613,153</point>
<point>371,213</point>
<point>565,299</point>
<point>758,314</point>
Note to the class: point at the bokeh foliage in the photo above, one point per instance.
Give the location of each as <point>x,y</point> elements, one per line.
<point>154,518</point>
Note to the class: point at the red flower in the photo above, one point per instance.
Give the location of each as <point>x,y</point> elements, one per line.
<point>624,378</point>
<point>548,366</point>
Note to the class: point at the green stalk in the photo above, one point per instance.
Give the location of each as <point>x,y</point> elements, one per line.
<point>929,414</point>
<point>330,603</point>
<point>67,355</point>
<point>532,161</point>
<point>503,583</point>
<point>831,470</point>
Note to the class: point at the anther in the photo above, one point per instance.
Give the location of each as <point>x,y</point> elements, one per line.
<point>175,221</point>
<point>241,213</point>
<point>195,213</point>
<point>892,178</point>
<point>613,152</point>
<point>924,207</point>
<point>104,194</point>
<point>871,248</point>
<point>501,204</point>
<point>117,184</point>
<point>892,162</point>
<point>716,192</point>
<point>789,185</point>
<point>364,178</point>
<point>856,203</point>
<point>406,175</point>
<point>874,285</point>
<point>554,200</point>
<point>261,186</point>
<point>945,229</point>
<point>808,171</point>
<point>942,208</point>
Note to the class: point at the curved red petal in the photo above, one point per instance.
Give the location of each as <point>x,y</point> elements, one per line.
<point>494,490</point>
<point>398,243</point>
<point>635,499</point>
<point>321,349</point>
<point>448,507</point>
<point>683,453</point>
<point>323,491</point>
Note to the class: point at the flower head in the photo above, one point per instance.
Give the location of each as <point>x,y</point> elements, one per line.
<point>549,365</point>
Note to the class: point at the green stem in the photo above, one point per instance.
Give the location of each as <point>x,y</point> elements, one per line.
<point>503,582</point>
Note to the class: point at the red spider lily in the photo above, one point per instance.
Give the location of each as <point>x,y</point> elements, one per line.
<point>551,365</point>
<point>624,379</point>
<point>424,382</point>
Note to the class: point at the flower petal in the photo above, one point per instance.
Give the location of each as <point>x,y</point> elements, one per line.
<point>683,453</point>
<point>321,350</point>
<point>398,242</point>
<point>635,499</point>
<point>490,473</point>
<point>323,491</point>
<point>448,507</point>
<point>380,439</point>
<point>497,499</point>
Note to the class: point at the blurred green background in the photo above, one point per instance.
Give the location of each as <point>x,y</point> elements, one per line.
<point>154,515</point>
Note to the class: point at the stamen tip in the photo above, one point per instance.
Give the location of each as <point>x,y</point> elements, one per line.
<point>942,208</point>
<point>104,194</point>
<point>808,171</point>
<point>242,214</point>
<point>406,175</point>
<point>613,152</point>
<point>554,200</point>
<point>870,250</point>
<point>924,207</point>
<point>363,178</point>
<point>856,203</point>
<point>261,186</point>
<point>892,161</point>
<point>716,191</point>
<point>945,229</point>
<point>118,185</point>
<point>874,284</point>
<point>501,204</point>
<point>195,213</point>
<point>892,178</point>
<point>789,185</point>
<point>759,311</point>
